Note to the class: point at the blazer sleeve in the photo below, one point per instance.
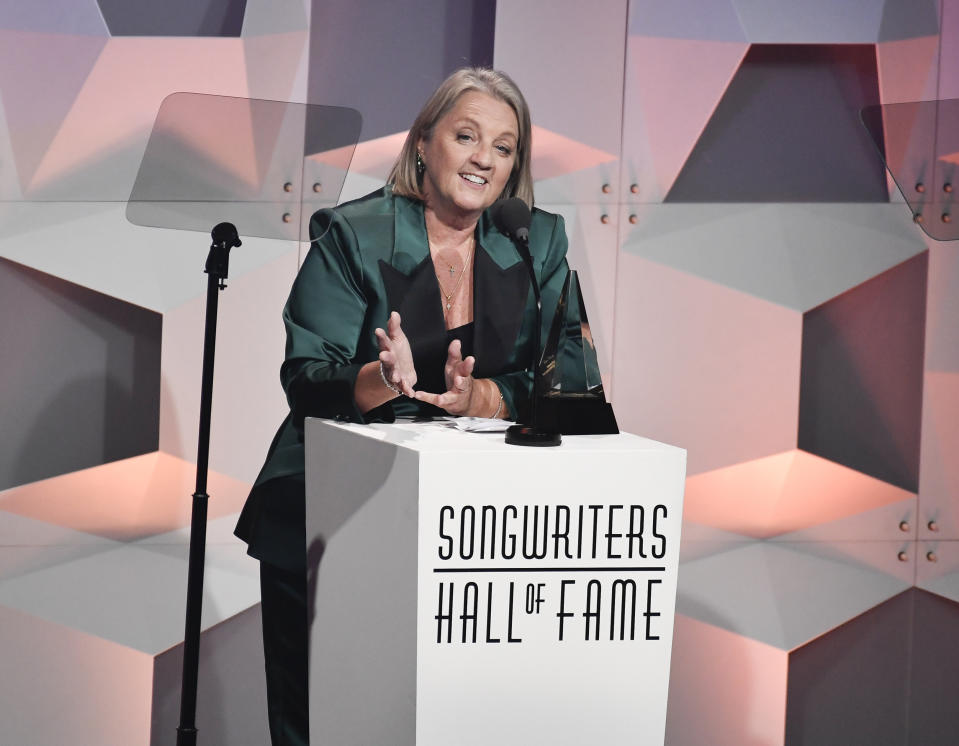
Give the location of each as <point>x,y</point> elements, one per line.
<point>552,267</point>
<point>325,321</point>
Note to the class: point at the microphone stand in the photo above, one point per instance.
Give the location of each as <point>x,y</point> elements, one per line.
<point>217,268</point>
<point>533,434</point>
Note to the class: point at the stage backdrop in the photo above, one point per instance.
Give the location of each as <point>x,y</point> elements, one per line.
<point>759,294</point>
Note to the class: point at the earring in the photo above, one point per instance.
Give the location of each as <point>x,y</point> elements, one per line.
<point>420,166</point>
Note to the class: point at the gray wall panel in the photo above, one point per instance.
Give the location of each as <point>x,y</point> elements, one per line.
<point>80,378</point>
<point>366,55</point>
<point>787,130</point>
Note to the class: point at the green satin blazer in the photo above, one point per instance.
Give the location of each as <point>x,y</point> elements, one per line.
<point>371,256</point>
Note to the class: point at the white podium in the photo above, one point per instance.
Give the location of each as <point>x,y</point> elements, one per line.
<point>467,592</point>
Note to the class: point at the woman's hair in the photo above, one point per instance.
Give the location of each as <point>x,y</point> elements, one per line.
<point>404,177</point>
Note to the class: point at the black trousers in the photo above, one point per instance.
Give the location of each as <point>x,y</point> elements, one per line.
<point>286,650</point>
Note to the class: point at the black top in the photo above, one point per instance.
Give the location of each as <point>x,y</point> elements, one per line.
<point>431,359</point>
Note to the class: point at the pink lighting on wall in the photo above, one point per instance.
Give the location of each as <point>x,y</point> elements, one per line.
<point>117,103</point>
<point>907,69</point>
<point>781,493</point>
<point>676,85</point>
<point>735,686</point>
<point>124,500</point>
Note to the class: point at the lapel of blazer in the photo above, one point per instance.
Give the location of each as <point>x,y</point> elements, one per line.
<point>500,288</point>
<point>408,278</point>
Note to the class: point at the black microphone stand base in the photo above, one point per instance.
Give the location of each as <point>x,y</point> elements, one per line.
<point>527,435</point>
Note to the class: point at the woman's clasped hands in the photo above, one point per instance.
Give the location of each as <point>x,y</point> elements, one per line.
<point>396,358</point>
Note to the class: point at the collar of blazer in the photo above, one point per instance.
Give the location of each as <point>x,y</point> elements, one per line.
<point>500,289</point>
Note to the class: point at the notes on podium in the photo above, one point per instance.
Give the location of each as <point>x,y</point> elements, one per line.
<point>463,591</point>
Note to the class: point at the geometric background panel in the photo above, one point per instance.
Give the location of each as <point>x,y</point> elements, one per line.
<point>555,155</point>
<point>784,493</point>
<point>95,158</point>
<point>843,691</point>
<point>265,17</point>
<point>88,679</point>
<point>949,37</point>
<point>724,689</point>
<point>705,20</point>
<point>887,677</point>
<point>862,366</point>
<point>711,369</point>
<point>933,716</point>
<point>576,95</point>
<point>81,17</point>
<point>908,19</point>
<point>173,17</point>
<point>938,464</point>
<point>80,381</point>
<point>158,269</point>
<point>788,21</point>
<point>766,143</point>
<point>908,69</point>
<point>871,525</point>
<point>27,545</point>
<point>274,59</point>
<point>782,595</point>
<point>793,255</point>
<point>105,594</point>
<point>861,552</point>
<point>368,76</point>
<point>942,333</point>
<point>9,184</point>
<point>125,500</point>
<point>673,88</point>
<point>942,576</point>
<point>33,120</point>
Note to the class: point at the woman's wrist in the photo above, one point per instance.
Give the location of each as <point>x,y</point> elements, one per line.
<point>369,390</point>
<point>498,398</point>
<point>488,402</point>
<point>392,387</point>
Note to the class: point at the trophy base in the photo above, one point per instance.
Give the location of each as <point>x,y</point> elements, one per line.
<point>578,414</point>
<point>525,435</point>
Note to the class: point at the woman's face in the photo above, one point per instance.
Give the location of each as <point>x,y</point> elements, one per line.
<point>469,157</point>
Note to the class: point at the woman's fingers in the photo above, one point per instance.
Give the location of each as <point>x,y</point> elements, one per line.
<point>394,325</point>
<point>443,401</point>
<point>465,368</point>
<point>396,355</point>
<point>454,353</point>
<point>383,340</point>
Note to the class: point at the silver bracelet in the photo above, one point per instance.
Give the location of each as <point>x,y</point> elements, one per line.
<point>389,385</point>
<point>499,406</point>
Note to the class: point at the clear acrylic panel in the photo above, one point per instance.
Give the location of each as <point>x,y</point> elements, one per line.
<point>265,166</point>
<point>919,143</point>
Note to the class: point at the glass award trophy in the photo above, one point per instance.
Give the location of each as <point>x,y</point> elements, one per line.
<point>571,394</point>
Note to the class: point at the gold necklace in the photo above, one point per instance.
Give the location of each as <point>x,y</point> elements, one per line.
<point>451,293</point>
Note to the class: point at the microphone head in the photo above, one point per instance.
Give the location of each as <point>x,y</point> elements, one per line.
<point>512,217</point>
<point>225,233</point>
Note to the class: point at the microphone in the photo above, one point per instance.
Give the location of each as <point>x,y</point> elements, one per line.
<point>512,218</point>
<point>224,237</point>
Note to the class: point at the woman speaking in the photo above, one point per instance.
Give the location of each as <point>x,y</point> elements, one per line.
<point>409,302</point>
